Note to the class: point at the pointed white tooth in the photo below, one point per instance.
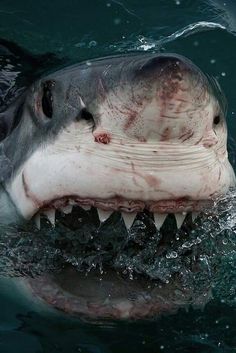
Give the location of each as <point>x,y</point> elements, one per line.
<point>103,215</point>
<point>159,219</point>
<point>180,217</point>
<point>37,220</point>
<point>128,219</point>
<point>67,209</point>
<point>86,207</point>
<point>50,214</point>
<point>195,215</point>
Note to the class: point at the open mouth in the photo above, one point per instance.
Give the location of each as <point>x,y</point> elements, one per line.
<point>99,280</point>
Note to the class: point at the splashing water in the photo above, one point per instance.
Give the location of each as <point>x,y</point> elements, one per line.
<point>198,256</point>
<point>143,43</point>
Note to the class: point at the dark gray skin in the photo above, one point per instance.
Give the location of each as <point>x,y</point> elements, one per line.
<point>109,119</point>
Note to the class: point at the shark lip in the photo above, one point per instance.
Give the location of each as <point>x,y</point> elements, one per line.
<point>120,204</point>
<point>109,295</point>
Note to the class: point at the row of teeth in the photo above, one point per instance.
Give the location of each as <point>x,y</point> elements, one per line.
<point>128,218</point>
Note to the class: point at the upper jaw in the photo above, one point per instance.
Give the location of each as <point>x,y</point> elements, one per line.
<point>105,208</point>
<point>161,178</point>
<point>55,180</point>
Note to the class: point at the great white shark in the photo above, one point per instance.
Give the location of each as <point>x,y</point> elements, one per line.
<point>128,133</point>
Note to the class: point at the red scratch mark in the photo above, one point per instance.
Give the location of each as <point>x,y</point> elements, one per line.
<point>166,134</point>
<point>131,119</point>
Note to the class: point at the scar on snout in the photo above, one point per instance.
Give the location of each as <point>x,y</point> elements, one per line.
<point>103,137</point>
<point>166,134</point>
<point>131,119</point>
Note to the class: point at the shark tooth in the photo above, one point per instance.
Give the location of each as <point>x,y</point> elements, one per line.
<point>128,219</point>
<point>180,217</point>
<point>50,214</point>
<point>67,209</point>
<point>159,219</point>
<point>195,215</point>
<point>86,207</point>
<point>103,215</point>
<point>37,220</point>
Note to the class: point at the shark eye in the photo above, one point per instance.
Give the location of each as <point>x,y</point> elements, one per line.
<point>216,120</point>
<point>47,99</point>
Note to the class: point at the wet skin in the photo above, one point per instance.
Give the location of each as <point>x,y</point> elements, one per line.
<point>132,133</point>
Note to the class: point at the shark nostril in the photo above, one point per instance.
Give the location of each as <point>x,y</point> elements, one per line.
<point>85,115</point>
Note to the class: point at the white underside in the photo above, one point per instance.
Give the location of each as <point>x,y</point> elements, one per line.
<point>76,165</point>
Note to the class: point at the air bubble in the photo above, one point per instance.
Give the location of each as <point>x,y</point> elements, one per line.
<point>117,21</point>
<point>172,255</point>
<point>93,43</point>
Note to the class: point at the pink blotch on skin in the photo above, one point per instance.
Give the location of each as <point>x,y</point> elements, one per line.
<point>102,137</point>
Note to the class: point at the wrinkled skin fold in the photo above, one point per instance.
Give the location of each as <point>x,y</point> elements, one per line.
<point>127,133</point>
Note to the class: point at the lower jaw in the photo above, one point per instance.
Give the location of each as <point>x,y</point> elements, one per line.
<point>87,293</point>
<point>109,296</point>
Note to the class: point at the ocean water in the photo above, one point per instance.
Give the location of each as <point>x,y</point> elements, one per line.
<point>202,30</point>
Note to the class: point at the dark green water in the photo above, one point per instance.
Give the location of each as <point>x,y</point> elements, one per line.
<point>205,32</point>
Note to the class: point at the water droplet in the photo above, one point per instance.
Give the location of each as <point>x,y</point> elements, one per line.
<point>172,255</point>
<point>79,44</point>
<point>223,74</point>
<point>93,43</point>
<point>213,61</point>
<point>117,21</point>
